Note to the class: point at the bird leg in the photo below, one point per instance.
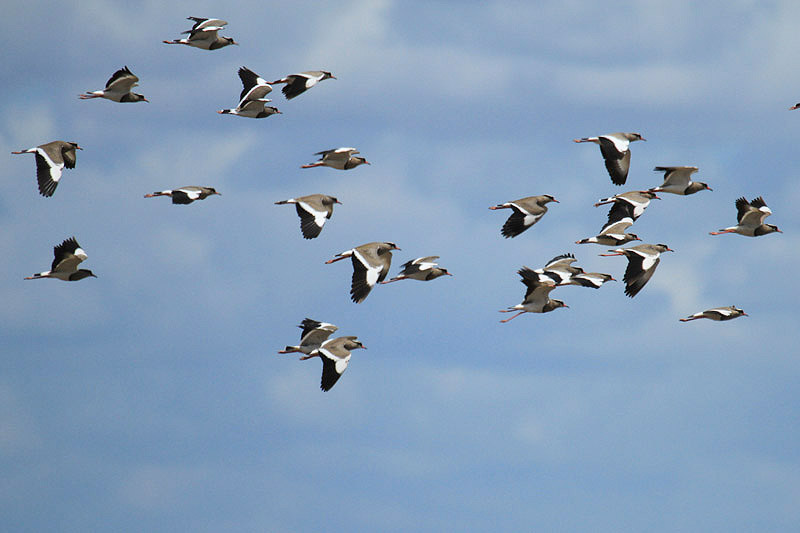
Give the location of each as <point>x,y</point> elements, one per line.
<point>513,317</point>
<point>338,258</point>
<point>312,165</point>
<point>720,232</point>
<point>315,354</point>
<point>289,349</point>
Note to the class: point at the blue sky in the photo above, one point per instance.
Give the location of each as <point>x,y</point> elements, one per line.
<point>152,398</point>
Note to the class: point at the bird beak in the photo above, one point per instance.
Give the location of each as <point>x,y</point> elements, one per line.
<point>669,250</point>
<point>219,193</point>
<point>367,162</point>
<point>338,202</point>
<point>556,201</point>
<point>79,148</point>
<point>145,100</point>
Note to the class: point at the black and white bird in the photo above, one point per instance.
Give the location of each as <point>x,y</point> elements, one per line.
<point>537,297</point>
<point>718,313</point>
<point>526,212</point>
<point>677,180</point>
<point>252,103</point>
<point>642,262</point>
<point>343,158</point>
<point>613,233</point>
<point>51,158</point>
<point>185,195</point>
<point>371,263</point>
<point>420,269</point>
<point>750,216</point>
<point>204,35</point>
<point>592,280</point>
<point>616,153</point>
<point>314,210</point>
<point>297,84</point>
<point>313,335</point>
<point>67,256</point>
<point>118,88</point>
<point>335,355</point>
<point>629,204</point>
<point>559,269</point>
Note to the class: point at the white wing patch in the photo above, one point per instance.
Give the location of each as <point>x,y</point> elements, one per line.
<point>55,170</point>
<point>649,261</point>
<point>319,216</point>
<point>373,273</point>
<point>620,144</point>
<point>341,362</point>
<point>192,194</point>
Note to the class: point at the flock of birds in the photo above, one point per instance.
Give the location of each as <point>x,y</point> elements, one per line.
<point>372,261</point>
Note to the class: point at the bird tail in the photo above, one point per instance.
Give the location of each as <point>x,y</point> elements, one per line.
<point>290,349</point>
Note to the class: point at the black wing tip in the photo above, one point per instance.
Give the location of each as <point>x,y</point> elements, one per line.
<point>616,180</point>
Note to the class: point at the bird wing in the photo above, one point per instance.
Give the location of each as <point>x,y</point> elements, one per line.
<point>617,158</point>
<point>420,264</point>
<point>677,177</point>
<point>298,84</point>
<point>365,276</point>
<point>752,213</point>
<point>48,172</point>
<point>560,261</point>
<point>193,193</point>
<point>309,325</point>
<point>538,290</point>
<point>201,23</point>
<point>620,211</point>
<point>122,81</point>
<point>338,153</point>
<point>593,280</point>
<point>311,219</point>
<point>317,336</point>
<point>641,268</point>
<point>721,312</point>
<point>521,219</point>
<point>67,256</point>
<point>425,263</point>
<point>761,206</point>
<point>208,33</point>
<point>255,86</point>
<point>617,227</point>
<point>333,366</point>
